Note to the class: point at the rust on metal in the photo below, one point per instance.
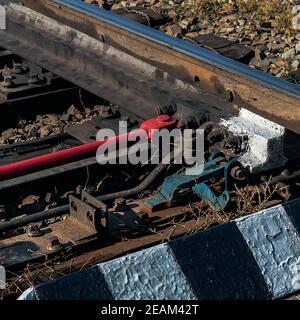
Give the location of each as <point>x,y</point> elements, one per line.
<point>271,104</point>
<point>227,48</point>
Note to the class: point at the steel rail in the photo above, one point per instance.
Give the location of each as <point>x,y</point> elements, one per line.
<point>186,48</point>
<point>102,69</point>
<point>243,86</point>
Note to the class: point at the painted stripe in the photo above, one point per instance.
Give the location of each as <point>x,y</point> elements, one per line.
<point>255,257</point>
<point>28,294</point>
<point>87,284</point>
<point>275,244</point>
<point>148,274</point>
<point>219,264</point>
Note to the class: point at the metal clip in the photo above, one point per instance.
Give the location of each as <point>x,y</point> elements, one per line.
<point>217,165</point>
<point>88,212</point>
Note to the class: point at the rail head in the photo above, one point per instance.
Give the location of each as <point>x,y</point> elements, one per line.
<point>188,49</point>
<point>272,98</point>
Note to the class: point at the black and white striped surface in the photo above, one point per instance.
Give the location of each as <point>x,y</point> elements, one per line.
<point>254,257</point>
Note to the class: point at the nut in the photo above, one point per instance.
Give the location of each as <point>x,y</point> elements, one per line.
<point>53,244</point>
<point>33,230</point>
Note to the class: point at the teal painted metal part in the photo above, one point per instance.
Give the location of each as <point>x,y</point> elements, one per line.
<point>207,195</point>
<point>216,166</point>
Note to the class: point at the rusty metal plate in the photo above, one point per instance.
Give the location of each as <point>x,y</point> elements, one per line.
<point>142,15</point>
<point>230,49</point>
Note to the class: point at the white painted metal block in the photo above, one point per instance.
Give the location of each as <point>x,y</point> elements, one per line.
<point>265,140</point>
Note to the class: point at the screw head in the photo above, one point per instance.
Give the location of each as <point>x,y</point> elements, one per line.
<point>33,230</point>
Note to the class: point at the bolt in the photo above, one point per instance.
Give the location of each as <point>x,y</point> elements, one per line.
<point>215,136</point>
<point>169,109</point>
<point>33,230</point>
<point>285,172</point>
<point>238,173</point>
<point>18,68</point>
<point>35,79</point>
<point>106,112</point>
<point>7,82</point>
<point>53,244</point>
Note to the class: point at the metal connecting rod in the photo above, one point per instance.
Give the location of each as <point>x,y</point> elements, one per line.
<point>80,152</point>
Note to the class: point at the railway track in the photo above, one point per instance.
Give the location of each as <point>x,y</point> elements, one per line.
<point>60,210</point>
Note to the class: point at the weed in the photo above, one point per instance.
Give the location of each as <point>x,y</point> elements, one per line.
<point>249,199</point>
<point>279,13</point>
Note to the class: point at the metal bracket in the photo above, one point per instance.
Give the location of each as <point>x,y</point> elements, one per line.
<point>88,212</point>
<point>217,165</point>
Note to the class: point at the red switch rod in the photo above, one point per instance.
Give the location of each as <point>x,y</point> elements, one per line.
<point>50,160</point>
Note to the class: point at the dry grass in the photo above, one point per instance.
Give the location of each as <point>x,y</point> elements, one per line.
<point>249,199</point>
<point>253,199</point>
<point>16,283</point>
<point>37,272</point>
<point>279,13</point>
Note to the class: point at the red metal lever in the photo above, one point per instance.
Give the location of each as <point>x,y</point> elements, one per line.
<point>50,160</point>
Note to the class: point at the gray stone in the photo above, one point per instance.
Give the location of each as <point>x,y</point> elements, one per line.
<point>276,47</point>
<point>8,133</point>
<point>288,55</point>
